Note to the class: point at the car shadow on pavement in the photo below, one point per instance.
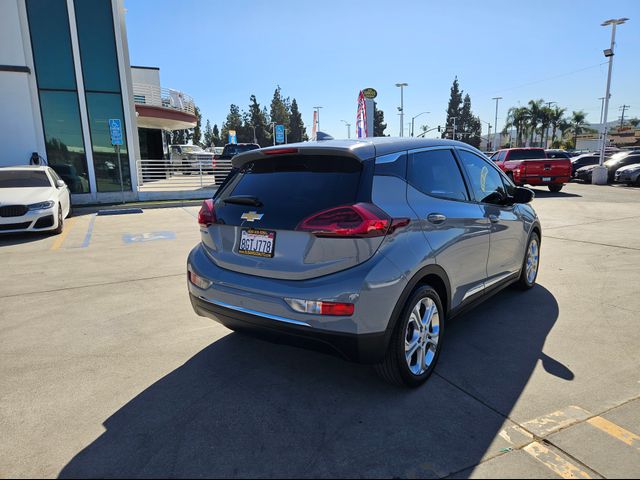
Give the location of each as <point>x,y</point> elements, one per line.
<point>246,408</point>
<point>548,194</point>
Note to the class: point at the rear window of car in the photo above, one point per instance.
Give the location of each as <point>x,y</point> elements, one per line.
<point>291,189</point>
<point>23,179</point>
<point>558,155</point>
<point>238,149</point>
<point>529,154</point>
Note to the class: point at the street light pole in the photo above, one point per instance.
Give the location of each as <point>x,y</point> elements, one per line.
<point>546,144</point>
<point>348,128</point>
<point>495,123</point>
<point>401,108</point>
<point>600,173</point>
<point>413,120</point>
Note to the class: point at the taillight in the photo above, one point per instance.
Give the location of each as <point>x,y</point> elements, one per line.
<point>359,220</point>
<point>316,307</point>
<point>280,151</point>
<point>207,214</point>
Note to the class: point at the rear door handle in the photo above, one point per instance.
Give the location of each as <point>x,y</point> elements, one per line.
<point>436,218</point>
<point>494,218</point>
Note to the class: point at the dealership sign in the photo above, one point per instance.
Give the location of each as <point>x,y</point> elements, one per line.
<point>370,93</point>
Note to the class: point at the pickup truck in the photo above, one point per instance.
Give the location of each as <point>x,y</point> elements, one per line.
<point>532,166</point>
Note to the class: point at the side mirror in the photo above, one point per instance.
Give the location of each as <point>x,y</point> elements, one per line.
<point>523,195</point>
<point>60,184</point>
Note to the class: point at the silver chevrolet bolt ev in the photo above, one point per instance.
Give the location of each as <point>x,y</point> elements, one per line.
<point>362,248</point>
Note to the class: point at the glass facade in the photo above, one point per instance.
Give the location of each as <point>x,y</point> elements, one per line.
<point>65,146</point>
<point>96,37</point>
<point>57,90</point>
<point>102,107</point>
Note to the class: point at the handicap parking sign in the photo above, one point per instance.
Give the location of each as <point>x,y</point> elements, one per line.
<point>115,131</point>
<point>279,133</point>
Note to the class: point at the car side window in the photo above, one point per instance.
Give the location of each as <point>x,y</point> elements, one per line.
<point>502,156</point>
<point>486,181</point>
<point>436,173</point>
<point>54,175</point>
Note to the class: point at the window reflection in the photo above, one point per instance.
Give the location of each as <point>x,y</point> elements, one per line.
<point>51,43</point>
<point>97,46</point>
<point>102,107</point>
<point>63,137</point>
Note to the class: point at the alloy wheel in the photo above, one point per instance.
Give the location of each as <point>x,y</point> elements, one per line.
<point>422,335</point>
<point>533,257</point>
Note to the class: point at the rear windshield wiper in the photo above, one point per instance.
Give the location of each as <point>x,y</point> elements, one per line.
<point>243,200</point>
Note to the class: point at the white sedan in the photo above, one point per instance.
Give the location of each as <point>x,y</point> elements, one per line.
<point>32,199</point>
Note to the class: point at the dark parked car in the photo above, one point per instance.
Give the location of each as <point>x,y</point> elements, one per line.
<point>557,153</point>
<point>582,161</point>
<point>222,163</point>
<point>362,248</point>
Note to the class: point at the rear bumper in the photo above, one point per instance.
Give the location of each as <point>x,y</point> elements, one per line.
<point>361,348</point>
<point>542,180</point>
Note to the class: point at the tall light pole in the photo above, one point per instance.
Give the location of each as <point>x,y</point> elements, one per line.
<point>488,134</point>
<point>548,126</point>
<point>601,115</point>
<point>401,107</point>
<point>317,109</point>
<point>495,123</point>
<point>273,127</point>
<point>600,173</point>
<point>348,128</point>
<point>413,119</point>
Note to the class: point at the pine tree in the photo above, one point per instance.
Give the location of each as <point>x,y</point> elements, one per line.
<point>233,122</point>
<point>378,121</point>
<point>208,135</point>
<point>468,126</point>
<point>297,131</point>
<point>280,109</point>
<point>196,133</point>
<point>215,137</point>
<point>454,109</point>
<point>256,118</point>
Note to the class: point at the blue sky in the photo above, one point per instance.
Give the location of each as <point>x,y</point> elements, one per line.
<point>324,52</point>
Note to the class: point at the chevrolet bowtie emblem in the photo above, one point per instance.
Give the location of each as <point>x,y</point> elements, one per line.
<point>252,216</point>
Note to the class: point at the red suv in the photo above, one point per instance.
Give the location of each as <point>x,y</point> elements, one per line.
<point>532,166</point>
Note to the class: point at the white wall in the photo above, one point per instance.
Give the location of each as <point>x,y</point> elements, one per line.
<point>146,75</point>
<point>20,128</point>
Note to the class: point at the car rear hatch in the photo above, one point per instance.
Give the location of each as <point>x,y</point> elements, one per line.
<point>265,220</point>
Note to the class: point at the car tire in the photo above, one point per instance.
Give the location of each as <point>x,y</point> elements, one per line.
<point>532,254</point>
<point>58,230</point>
<point>407,369</point>
<point>555,188</point>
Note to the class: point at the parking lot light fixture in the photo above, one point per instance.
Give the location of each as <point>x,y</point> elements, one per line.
<point>413,119</point>
<point>348,128</point>
<point>600,173</point>
<point>401,107</point>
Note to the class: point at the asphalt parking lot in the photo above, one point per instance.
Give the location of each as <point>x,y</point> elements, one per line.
<point>105,371</point>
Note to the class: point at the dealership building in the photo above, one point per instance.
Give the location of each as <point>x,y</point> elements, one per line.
<point>64,73</point>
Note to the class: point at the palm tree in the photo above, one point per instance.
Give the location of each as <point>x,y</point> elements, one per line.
<point>578,125</point>
<point>534,116</point>
<point>557,115</point>
<point>517,118</point>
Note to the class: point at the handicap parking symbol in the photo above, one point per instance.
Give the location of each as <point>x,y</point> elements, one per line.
<point>147,237</point>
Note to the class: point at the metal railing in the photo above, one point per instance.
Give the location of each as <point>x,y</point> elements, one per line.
<point>179,176</point>
<point>155,96</point>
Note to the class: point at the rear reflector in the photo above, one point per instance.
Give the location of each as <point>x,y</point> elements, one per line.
<point>315,307</point>
<point>198,281</point>
<point>280,151</point>
<point>359,220</point>
<point>207,214</point>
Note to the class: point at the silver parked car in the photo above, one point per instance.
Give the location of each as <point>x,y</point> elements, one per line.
<point>629,175</point>
<point>362,248</point>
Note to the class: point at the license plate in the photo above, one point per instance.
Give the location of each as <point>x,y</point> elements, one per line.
<point>546,179</point>
<point>258,243</point>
